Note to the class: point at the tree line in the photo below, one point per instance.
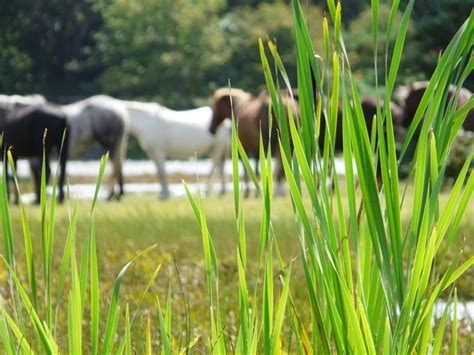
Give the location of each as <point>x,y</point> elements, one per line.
<point>177,51</point>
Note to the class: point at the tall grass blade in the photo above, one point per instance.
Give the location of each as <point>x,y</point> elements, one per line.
<point>113,314</point>
<point>164,335</point>
<point>26,236</point>
<point>94,294</point>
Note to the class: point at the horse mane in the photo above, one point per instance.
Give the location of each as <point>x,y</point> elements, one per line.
<point>239,96</point>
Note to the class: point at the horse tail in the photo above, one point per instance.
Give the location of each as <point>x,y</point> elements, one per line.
<point>63,158</point>
<point>120,151</point>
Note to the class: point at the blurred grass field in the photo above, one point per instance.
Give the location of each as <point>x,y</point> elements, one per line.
<point>138,221</point>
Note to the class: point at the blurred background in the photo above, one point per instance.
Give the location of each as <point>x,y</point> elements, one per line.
<point>176,52</point>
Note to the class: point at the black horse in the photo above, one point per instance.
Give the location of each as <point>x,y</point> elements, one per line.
<point>27,132</point>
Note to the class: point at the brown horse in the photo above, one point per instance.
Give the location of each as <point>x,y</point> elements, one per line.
<point>412,94</point>
<point>251,115</point>
<point>369,109</point>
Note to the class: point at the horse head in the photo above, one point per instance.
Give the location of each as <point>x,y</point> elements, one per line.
<point>221,109</point>
<point>225,102</point>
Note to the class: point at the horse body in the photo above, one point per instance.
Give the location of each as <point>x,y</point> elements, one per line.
<point>251,114</point>
<point>157,127</point>
<point>25,134</point>
<point>167,134</point>
<point>412,94</point>
<point>104,120</point>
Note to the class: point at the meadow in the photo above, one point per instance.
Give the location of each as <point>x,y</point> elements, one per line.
<point>139,221</point>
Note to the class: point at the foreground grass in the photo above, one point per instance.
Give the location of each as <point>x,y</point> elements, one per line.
<point>137,222</point>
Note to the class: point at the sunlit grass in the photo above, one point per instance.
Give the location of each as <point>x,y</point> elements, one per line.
<point>172,226</point>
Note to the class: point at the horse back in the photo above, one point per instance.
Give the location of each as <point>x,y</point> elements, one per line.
<point>31,127</point>
<point>415,94</point>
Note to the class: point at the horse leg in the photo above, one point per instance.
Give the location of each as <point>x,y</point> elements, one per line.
<point>280,174</point>
<point>118,163</point>
<point>257,172</point>
<point>159,159</point>
<point>15,190</point>
<point>35,167</point>
<point>117,176</point>
<point>209,177</point>
<point>62,161</point>
<point>37,178</point>
<point>218,161</point>
<point>6,177</point>
<point>222,174</point>
<point>16,198</point>
<point>246,183</point>
<point>118,152</point>
<point>111,179</point>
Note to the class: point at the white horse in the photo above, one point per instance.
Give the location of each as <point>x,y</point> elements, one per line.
<point>104,120</point>
<point>167,134</point>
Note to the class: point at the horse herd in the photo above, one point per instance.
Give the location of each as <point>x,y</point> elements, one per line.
<point>30,123</point>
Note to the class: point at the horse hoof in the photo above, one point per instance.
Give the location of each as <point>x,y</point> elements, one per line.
<point>164,195</point>
<point>278,193</point>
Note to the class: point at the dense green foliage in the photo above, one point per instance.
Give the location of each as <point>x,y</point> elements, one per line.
<point>178,51</point>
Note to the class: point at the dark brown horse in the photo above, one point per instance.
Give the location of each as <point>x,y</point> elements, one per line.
<point>369,109</point>
<point>251,114</point>
<point>412,94</point>
<point>24,135</point>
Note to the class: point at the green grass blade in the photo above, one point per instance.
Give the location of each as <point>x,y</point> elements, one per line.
<point>94,297</point>
<point>398,49</point>
<point>454,336</point>
<point>113,314</point>
<point>68,247</point>
<point>128,339</point>
<point>164,336</point>
<point>27,238</point>
<point>49,345</point>
<point>441,328</point>
<point>149,348</point>
<point>25,347</point>
<point>280,314</point>
<point>84,274</point>
<point>75,310</point>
